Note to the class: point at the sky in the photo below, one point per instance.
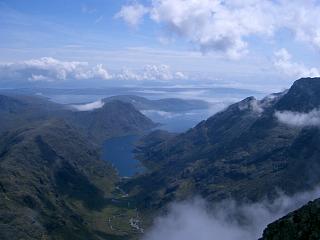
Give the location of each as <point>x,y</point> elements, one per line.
<point>255,44</point>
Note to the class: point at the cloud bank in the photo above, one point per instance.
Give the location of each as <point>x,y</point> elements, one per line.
<point>225,26</point>
<point>89,106</point>
<point>296,119</point>
<point>283,62</point>
<point>226,221</point>
<point>49,69</point>
<point>151,72</point>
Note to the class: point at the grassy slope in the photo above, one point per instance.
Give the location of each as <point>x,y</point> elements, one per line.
<point>53,186</point>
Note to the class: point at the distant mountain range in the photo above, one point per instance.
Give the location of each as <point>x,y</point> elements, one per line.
<point>166,104</point>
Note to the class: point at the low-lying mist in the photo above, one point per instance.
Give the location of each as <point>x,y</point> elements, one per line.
<point>196,220</point>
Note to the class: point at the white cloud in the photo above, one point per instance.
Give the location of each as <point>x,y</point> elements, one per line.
<point>161,114</point>
<point>36,78</point>
<point>283,62</point>
<point>224,26</point>
<point>99,72</point>
<point>49,69</point>
<point>89,106</point>
<point>297,119</point>
<point>193,220</point>
<point>132,14</point>
<point>151,72</point>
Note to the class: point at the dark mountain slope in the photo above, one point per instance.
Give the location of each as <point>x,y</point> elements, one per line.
<point>115,118</point>
<point>302,224</point>
<point>53,186</point>
<point>303,96</point>
<point>243,152</point>
<point>17,110</point>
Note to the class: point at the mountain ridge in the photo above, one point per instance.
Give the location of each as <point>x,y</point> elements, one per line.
<point>53,183</point>
<point>165,104</point>
<point>242,147</point>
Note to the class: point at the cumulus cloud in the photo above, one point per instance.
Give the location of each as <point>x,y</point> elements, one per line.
<point>195,219</point>
<point>132,14</point>
<point>89,106</point>
<point>151,72</point>
<point>283,62</point>
<point>297,119</point>
<point>224,26</point>
<point>49,69</point>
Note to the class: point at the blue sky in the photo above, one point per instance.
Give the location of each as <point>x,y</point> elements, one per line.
<point>232,44</point>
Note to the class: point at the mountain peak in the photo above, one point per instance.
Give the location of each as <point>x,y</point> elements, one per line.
<point>303,96</point>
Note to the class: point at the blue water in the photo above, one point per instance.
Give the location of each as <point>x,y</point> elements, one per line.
<point>119,152</point>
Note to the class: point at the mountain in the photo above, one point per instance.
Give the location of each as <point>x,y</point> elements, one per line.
<point>302,96</point>
<point>17,110</point>
<point>243,152</point>
<point>54,186</point>
<point>114,119</point>
<point>166,104</point>
<point>302,224</point>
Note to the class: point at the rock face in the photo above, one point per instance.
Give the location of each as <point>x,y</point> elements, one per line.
<point>243,152</point>
<point>302,224</point>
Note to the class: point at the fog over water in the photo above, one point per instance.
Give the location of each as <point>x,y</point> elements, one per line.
<point>195,219</point>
